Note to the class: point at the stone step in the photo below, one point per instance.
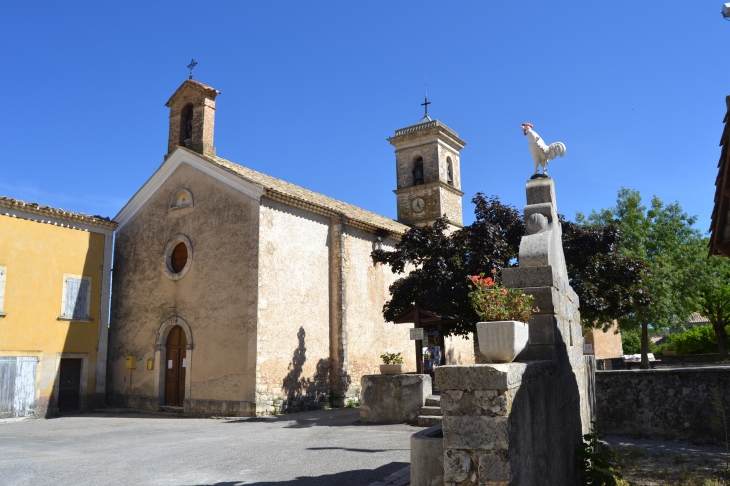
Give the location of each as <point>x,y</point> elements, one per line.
<point>433,401</point>
<point>427,410</point>
<point>428,420</point>
<point>169,408</point>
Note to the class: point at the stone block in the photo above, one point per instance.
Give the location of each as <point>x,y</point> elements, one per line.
<point>477,402</point>
<point>546,209</point>
<point>535,250</point>
<point>542,329</point>
<point>544,298</point>
<point>537,352</point>
<point>521,277</point>
<point>541,190</point>
<point>479,377</point>
<point>493,468</point>
<point>457,466</point>
<point>475,432</point>
<point>393,398</point>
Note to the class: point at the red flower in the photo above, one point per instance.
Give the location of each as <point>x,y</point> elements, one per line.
<point>504,291</point>
<point>489,281</point>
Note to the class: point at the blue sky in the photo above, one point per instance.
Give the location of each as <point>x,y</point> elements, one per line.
<point>311,91</point>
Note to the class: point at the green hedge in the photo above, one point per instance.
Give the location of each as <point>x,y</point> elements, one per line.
<point>696,340</point>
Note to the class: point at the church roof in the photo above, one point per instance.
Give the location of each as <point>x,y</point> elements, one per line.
<point>720,227</point>
<point>56,214</point>
<point>298,196</point>
<point>196,84</point>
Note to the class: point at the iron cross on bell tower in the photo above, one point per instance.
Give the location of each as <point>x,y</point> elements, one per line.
<point>425,102</point>
<point>191,66</point>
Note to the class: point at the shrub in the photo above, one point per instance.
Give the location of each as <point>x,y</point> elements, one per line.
<point>631,342</point>
<point>696,340</point>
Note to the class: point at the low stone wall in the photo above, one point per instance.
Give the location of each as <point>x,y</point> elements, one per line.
<point>392,399</point>
<point>618,364</point>
<point>662,403</point>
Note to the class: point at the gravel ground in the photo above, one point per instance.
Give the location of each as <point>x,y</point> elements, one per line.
<point>663,463</point>
<point>323,448</point>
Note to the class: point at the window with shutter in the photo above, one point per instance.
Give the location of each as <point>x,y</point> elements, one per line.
<point>2,288</point>
<point>76,297</point>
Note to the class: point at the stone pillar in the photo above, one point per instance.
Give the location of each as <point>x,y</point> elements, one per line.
<point>555,329</point>
<point>519,423</point>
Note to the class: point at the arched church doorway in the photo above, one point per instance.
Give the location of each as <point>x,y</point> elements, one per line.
<point>175,367</point>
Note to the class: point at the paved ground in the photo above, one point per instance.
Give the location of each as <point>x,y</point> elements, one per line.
<point>650,462</point>
<point>321,448</point>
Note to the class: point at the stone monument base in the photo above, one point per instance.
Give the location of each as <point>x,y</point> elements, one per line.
<point>514,423</point>
<point>393,399</point>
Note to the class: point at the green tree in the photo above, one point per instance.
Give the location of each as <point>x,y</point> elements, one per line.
<point>663,237</point>
<point>714,302</point>
<point>607,283</point>
<point>441,261</point>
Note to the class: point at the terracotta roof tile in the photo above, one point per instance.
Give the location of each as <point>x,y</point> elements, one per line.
<point>35,208</point>
<point>275,187</point>
<point>697,318</point>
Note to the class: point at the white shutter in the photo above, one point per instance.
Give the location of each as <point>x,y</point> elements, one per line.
<point>72,294</point>
<point>82,300</point>
<point>2,287</point>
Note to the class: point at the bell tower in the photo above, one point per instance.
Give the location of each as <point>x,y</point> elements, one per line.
<point>427,166</point>
<point>192,118</point>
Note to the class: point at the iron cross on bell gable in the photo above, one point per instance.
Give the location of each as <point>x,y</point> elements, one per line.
<point>191,66</point>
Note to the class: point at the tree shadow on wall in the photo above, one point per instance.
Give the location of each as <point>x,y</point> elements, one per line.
<point>303,393</point>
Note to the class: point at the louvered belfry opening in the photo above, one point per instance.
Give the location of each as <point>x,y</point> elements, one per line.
<point>179,257</point>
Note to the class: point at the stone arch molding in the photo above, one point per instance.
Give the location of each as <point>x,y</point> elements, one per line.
<point>171,244</point>
<point>168,325</point>
<point>160,358</point>
<point>181,199</point>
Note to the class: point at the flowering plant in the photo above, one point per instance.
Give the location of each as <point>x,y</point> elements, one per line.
<point>493,302</point>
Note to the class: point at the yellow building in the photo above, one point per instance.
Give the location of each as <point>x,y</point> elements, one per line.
<point>55,269</point>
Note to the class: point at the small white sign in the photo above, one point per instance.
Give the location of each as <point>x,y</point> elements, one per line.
<point>417,334</point>
<point>184,361</point>
<point>587,348</point>
<point>169,364</point>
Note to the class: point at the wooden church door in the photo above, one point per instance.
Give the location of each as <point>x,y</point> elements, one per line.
<point>175,368</point>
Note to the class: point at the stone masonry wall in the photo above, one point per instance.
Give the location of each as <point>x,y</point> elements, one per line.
<point>513,423</point>
<point>662,403</point>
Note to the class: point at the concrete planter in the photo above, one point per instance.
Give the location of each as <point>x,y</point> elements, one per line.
<point>392,369</point>
<point>502,341</point>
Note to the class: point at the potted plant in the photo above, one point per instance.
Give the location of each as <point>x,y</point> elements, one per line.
<point>392,364</point>
<point>503,332</point>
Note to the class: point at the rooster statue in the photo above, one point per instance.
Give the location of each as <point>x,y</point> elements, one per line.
<point>541,152</point>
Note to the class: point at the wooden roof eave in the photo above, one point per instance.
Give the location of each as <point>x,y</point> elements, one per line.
<point>414,315</point>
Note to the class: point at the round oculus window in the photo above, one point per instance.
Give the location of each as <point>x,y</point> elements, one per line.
<point>179,257</point>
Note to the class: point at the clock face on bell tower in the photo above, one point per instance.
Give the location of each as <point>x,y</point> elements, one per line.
<point>428,170</point>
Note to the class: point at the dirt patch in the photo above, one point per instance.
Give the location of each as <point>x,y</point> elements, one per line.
<point>647,462</point>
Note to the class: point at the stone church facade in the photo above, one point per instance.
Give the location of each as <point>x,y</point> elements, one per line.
<point>234,291</point>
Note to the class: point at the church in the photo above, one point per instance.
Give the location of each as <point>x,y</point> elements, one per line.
<point>235,292</point>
